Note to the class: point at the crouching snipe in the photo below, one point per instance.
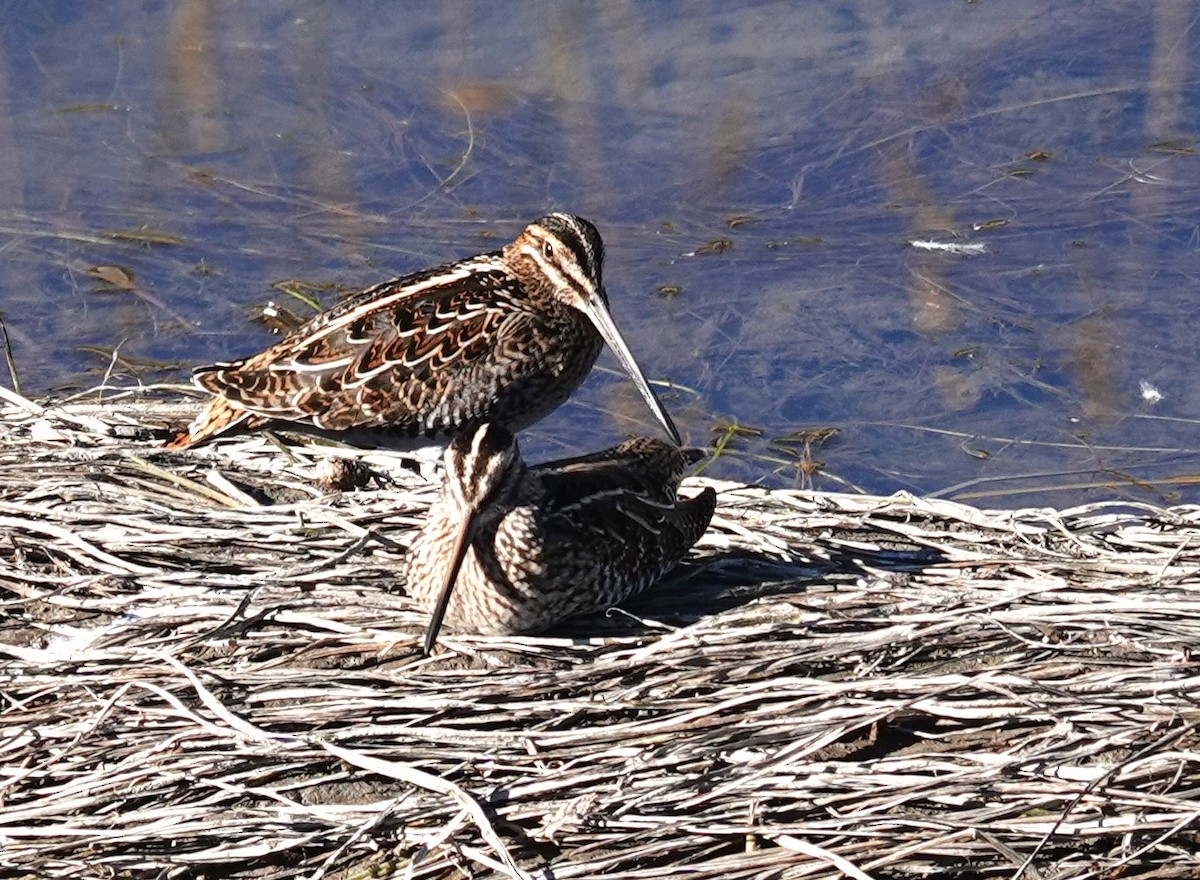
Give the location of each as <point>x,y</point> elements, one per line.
<point>509,548</point>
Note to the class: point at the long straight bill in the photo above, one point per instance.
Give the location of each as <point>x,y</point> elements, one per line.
<point>457,554</point>
<point>598,312</point>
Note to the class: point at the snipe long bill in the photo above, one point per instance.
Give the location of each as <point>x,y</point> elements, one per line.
<point>502,337</point>
<point>508,548</point>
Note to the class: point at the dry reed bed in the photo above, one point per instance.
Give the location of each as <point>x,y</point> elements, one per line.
<point>199,681</point>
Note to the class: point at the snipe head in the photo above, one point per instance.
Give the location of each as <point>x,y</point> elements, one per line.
<point>562,256</point>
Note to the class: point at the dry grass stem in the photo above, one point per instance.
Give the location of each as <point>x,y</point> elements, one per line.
<point>209,667</point>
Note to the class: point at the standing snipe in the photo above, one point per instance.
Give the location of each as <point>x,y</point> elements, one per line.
<point>509,548</point>
<point>503,337</point>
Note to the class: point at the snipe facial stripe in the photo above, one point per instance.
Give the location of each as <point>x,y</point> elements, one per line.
<point>559,270</point>
<point>582,239</point>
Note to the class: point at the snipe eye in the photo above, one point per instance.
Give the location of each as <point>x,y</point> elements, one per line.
<point>548,251</point>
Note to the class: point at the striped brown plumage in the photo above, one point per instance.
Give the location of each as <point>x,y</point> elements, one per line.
<point>509,548</point>
<point>502,337</point>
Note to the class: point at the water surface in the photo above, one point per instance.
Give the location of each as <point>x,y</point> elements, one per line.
<point>760,173</point>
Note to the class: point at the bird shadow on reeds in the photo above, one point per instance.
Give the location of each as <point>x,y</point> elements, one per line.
<point>722,580</point>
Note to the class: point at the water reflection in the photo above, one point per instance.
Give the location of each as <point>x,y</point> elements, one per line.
<point>759,174</point>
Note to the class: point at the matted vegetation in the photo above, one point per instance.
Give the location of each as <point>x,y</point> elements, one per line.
<point>209,668</point>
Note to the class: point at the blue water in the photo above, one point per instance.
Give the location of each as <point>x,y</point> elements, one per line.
<point>340,144</point>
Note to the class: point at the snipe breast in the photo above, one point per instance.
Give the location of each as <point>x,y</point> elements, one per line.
<point>502,337</point>
<point>508,548</point>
